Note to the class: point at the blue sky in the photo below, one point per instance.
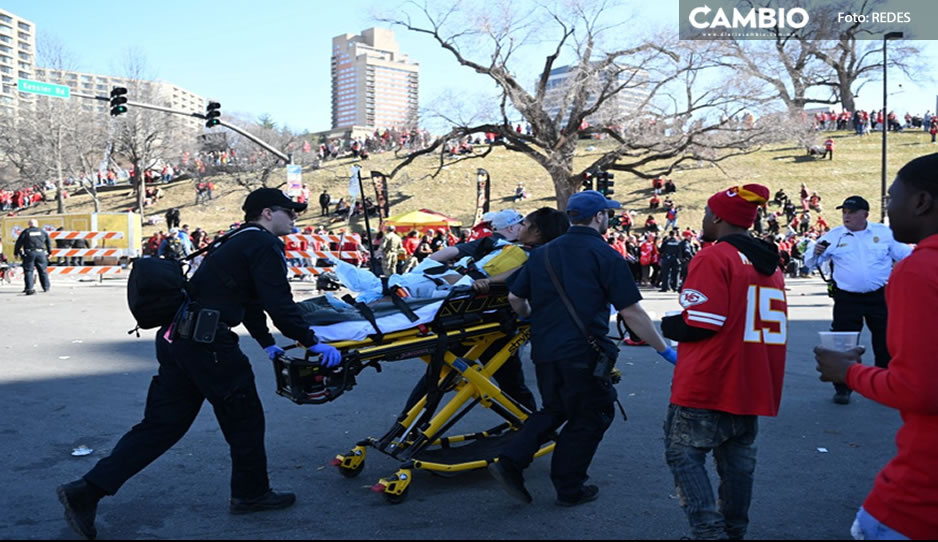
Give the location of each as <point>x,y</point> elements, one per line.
<point>216,50</point>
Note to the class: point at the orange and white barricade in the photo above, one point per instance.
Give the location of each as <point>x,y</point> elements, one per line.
<point>309,271</point>
<point>87,271</point>
<point>348,251</point>
<point>86,235</point>
<point>86,252</point>
<point>316,254</point>
<point>324,238</point>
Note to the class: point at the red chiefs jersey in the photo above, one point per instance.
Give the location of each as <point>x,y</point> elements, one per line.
<point>740,369</point>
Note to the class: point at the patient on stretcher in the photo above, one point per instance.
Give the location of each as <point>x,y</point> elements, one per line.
<point>477,263</point>
<point>322,312</point>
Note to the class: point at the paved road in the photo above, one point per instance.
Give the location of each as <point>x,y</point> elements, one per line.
<point>71,375</point>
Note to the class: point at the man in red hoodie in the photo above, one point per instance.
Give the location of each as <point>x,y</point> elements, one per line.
<point>904,500</point>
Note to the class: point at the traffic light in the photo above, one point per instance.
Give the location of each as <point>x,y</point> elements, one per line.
<point>604,183</point>
<point>212,112</point>
<point>588,179</point>
<point>118,99</point>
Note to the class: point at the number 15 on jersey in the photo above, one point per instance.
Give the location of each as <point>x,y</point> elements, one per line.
<point>765,324</point>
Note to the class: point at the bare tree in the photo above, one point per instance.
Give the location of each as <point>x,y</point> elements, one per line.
<point>788,65</point>
<point>674,115</point>
<point>255,166</point>
<point>141,136</point>
<point>822,63</point>
<point>854,55</point>
<point>53,138</point>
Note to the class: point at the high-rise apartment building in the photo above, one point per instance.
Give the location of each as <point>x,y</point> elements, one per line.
<point>17,60</point>
<point>373,83</point>
<point>561,87</point>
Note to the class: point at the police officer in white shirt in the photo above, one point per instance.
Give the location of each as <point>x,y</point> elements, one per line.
<point>862,254</point>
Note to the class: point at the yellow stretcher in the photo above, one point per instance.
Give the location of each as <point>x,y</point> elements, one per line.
<point>472,336</point>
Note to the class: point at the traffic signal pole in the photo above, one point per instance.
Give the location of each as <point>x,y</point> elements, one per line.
<point>235,129</point>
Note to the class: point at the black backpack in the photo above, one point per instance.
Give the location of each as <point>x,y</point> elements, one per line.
<point>158,289</point>
<point>174,249</point>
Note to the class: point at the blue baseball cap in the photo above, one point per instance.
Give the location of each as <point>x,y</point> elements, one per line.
<point>588,203</point>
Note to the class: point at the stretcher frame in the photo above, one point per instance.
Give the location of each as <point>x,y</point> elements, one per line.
<point>467,322</point>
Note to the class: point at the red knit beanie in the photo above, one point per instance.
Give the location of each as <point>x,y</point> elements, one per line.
<point>737,205</point>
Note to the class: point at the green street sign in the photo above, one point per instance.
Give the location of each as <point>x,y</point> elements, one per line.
<point>46,89</point>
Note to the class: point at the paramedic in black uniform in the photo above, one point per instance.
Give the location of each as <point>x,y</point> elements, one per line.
<point>242,278</point>
<point>593,276</point>
<point>33,246</point>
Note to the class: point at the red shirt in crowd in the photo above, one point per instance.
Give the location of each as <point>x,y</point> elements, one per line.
<point>410,244</point>
<point>746,358</point>
<point>905,493</point>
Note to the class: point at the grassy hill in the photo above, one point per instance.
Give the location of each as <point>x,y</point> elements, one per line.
<point>854,170</point>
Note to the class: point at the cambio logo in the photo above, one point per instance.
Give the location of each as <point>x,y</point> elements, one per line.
<point>754,18</point>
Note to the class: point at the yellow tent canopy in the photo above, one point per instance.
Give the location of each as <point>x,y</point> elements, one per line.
<point>420,220</point>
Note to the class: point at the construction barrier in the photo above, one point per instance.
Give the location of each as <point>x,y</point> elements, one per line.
<point>86,235</point>
<point>324,238</point>
<point>102,230</point>
<point>352,256</point>
<point>87,252</point>
<point>87,271</point>
<point>310,271</point>
<point>312,255</point>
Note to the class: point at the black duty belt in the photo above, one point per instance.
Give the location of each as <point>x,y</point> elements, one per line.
<point>864,294</point>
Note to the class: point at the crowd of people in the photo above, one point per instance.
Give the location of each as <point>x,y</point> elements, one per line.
<point>721,384</point>
<point>863,122</point>
<point>23,198</point>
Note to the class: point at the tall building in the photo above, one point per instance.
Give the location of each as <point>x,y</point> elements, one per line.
<point>373,83</point>
<point>17,60</point>
<point>560,91</point>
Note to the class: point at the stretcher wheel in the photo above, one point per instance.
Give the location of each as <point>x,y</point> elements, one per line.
<point>353,472</point>
<point>391,498</point>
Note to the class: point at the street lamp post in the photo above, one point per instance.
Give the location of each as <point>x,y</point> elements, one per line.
<point>882,192</point>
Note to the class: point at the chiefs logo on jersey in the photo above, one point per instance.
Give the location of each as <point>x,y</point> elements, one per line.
<point>689,298</point>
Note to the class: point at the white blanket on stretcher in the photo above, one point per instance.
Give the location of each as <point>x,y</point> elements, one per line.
<point>359,330</point>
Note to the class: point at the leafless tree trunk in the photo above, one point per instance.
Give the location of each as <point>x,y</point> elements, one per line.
<point>52,137</point>
<point>255,166</point>
<point>142,136</point>
<point>675,117</point>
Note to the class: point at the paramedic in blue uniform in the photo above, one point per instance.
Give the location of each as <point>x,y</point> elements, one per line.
<point>33,246</point>
<point>242,278</point>
<point>594,276</point>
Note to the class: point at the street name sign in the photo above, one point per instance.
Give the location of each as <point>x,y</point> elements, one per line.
<point>45,89</point>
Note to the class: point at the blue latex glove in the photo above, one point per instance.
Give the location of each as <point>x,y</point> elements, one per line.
<point>330,354</point>
<point>670,355</point>
<point>273,351</point>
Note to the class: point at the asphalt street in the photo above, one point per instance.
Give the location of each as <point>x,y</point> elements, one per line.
<point>70,375</point>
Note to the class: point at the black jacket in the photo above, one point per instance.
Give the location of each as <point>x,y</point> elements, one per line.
<point>244,278</point>
<point>30,239</point>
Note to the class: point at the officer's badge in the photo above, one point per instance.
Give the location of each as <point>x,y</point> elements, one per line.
<point>876,239</point>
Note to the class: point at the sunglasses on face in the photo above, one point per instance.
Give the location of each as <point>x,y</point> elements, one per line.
<point>290,212</point>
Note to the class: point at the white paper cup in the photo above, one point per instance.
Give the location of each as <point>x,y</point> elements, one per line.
<point>839,340</point>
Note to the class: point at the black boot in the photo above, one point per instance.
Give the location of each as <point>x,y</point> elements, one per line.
<point>80,500</point>
<point>268,501</point>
